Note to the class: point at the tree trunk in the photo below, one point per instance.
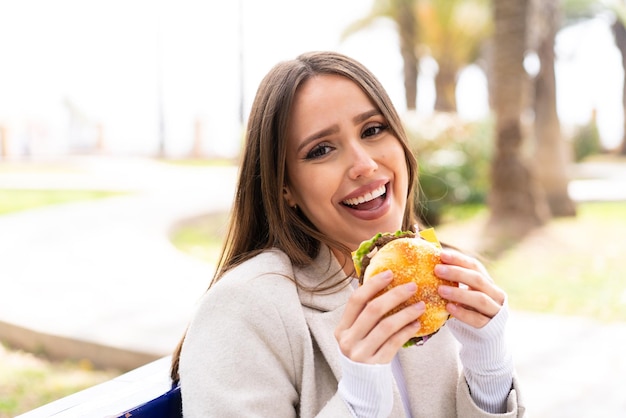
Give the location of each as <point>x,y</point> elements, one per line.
<point>445,88</point>
<point>551,153</point>
<point>619,33</point>
<point>4,143</point>
<point>407,32</point>
<point>516,202</point>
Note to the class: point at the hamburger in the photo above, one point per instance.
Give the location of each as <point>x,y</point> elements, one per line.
<point>410,257</point>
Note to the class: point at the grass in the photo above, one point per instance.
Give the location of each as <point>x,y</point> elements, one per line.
<point>572,266</point>
<point>28,381</point>
<point>201,237</point>
<point>18,200</point>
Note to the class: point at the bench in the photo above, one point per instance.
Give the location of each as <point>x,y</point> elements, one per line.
<point>145,392</point>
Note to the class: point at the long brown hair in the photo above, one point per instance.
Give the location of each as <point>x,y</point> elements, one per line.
<point>260,217</point>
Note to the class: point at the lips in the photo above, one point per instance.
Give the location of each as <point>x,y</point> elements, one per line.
<point>369,200</point>
<point>367,197</point>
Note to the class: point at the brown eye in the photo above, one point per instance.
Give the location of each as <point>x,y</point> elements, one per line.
<point>318,151</point>
<point>374,130</point>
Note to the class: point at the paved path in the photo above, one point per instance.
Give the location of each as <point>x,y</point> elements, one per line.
<point>599,182</point>
<point>104,271</point>
<point>570,367</point>
<point>101,280</point>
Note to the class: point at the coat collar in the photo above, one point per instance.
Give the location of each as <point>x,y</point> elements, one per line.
<point>323,310</point>
<point>323,272</point>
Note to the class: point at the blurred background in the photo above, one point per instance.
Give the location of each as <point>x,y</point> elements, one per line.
<point>121,124</point>
<point>152,78</point>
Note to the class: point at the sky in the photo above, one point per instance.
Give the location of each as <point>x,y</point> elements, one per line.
<point>71,67</point>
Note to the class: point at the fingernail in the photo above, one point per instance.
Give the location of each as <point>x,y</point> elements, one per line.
<point>410,287</point>
<point>385,276</point>
<point>420,307</point>
<point>452,308</point>
<point>445,290</point>
<point>441,270</point>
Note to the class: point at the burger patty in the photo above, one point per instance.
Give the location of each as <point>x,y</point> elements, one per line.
<point>379,243</point>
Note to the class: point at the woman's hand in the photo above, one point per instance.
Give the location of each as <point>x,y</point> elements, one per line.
<point>364,334</point>
<point>476,302</point>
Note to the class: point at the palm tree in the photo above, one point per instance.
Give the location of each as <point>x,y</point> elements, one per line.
<point>407,32</point>
<point>576,10</point>
<point>619,33</point>
<point>551,156</point>
<point>450,31</point>
<point>516,202</point>
<point>453,32</point>
<point>402,12</point>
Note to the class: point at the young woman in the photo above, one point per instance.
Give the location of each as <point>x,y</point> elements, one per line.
<point>283,331</point>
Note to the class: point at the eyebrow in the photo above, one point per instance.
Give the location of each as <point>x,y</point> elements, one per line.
<point>334,128</point>
<point>317,135</point>
<point>366,115</point>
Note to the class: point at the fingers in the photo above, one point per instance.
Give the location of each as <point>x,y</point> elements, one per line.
<point>384,340</point>
<point>480,300</point>
<point>364,333</point>
<point>359,298</point>
<point>455,258</point>
<point>375,310</point>
<point>469,306</point>
<point>467,270</point>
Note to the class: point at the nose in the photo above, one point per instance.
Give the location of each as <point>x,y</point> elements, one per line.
<point>362,163</point>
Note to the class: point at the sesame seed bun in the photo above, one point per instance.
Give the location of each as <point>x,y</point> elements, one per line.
<point>414,259</point>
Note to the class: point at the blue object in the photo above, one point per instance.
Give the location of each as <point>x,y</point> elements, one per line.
<point>144,392</point>
<point>168,405</point>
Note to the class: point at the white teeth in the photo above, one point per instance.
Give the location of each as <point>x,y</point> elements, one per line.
<point>366,197</point>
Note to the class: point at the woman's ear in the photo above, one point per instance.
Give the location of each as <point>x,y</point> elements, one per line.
<point>288,197</point>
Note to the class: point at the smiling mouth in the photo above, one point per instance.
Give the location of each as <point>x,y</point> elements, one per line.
<point>368,200</point>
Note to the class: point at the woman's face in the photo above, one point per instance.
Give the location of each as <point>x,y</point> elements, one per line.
<point>346,171</point>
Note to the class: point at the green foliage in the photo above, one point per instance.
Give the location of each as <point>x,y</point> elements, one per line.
<point>575,11</point>
<point>454,162</point>
<point>201,237</point>
<point>463,212</point>
<point>28,381</point>
<point>586,141</point>
<point>573,267</point>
